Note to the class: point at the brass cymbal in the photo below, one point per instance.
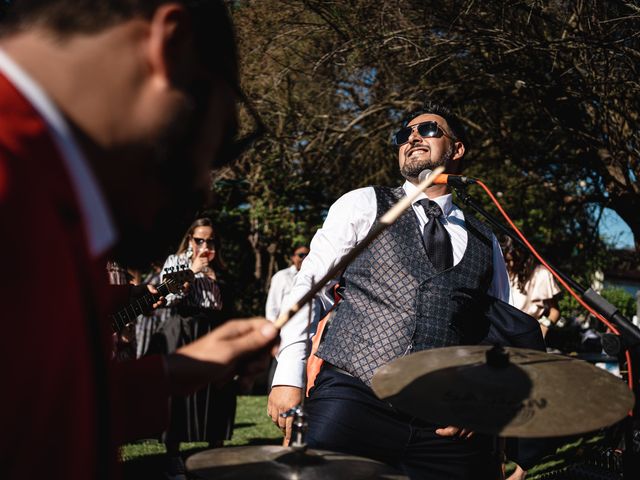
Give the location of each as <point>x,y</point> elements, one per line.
<point>272,462</point>
<point>534,394</point>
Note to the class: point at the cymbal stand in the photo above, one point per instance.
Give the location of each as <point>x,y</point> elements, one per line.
<point>298,428</point>
<point>629,338</point>
<point>300,425</point>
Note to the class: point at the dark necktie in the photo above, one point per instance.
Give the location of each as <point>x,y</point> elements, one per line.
<point>436,238</point>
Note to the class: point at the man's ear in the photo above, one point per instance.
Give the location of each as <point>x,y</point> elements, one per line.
<point>170,52</point>
<point>455,162</point>
<point>458,150</point>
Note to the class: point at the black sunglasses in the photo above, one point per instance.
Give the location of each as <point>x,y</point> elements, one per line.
<point>209,241</point>
<point>301,255</point>
<point>428,129</point>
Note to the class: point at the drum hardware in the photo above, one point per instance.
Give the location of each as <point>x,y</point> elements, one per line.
<point>299,427</point>
<point>611,344</point>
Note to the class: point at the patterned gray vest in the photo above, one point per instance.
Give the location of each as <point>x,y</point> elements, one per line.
<point>394,302</point>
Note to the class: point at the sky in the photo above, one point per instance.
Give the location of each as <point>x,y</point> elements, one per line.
<point>615,229</point>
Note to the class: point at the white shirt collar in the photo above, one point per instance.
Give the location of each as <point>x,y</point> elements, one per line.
<point>99,228</point>
<point>444,201</point>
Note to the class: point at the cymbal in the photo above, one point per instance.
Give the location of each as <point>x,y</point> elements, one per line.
<point>534,394</point>
<point>273,462</point>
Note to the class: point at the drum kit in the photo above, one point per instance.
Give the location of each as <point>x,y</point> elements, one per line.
<point>506,392</point>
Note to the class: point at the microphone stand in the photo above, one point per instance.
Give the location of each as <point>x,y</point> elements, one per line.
<point>614,345</point>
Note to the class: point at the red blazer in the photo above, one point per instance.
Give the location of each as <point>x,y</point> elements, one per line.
<point>64,406</point>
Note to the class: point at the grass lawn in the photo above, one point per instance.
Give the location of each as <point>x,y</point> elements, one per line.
<point>143,460</point>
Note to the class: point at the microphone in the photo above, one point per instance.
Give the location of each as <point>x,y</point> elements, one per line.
<point>446,179</point>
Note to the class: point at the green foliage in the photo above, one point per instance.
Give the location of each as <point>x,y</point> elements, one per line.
<point>548,92</point>
<point>569,307</point>
<point>620,298</point>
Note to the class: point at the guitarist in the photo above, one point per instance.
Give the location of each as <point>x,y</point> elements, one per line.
<point>125,344</point>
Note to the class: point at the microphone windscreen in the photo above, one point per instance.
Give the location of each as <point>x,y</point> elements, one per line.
<point>424,174</point>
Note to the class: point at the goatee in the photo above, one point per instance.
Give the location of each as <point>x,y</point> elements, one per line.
<point>410,170</point>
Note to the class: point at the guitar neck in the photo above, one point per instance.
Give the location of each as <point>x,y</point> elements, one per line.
<point>127,315</point>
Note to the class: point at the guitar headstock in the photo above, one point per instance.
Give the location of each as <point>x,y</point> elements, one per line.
<point>176,277</point>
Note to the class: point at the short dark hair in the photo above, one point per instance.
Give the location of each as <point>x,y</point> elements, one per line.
<point>455,125</point>
<point>212,28</point>
<point>298,245</point>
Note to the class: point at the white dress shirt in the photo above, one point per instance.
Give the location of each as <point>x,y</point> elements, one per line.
<point>281,284</point>
<point>99,227</point>
<point>349,220</point>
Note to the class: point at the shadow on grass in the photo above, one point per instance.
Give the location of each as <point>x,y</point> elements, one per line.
<point>245,425</point>
<point>264,441</point>
<point>149,467</point>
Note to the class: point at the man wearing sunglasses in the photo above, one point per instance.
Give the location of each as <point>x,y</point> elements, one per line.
<point>417,286</point>
<point>105,105</point>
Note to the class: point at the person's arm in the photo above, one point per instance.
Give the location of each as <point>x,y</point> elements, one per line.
<point>551,292</point>
<point>543,286</point>
<point>241,347</point>
<point>348,221</point>
<point>553,309</point>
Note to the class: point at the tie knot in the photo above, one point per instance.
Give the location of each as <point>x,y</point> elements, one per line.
<point>431,208</point>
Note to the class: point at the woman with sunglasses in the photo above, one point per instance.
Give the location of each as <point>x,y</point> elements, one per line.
<point>207,415</point>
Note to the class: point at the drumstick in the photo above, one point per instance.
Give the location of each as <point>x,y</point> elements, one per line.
<point>385,221</point>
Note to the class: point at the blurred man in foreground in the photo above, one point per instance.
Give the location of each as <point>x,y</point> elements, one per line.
<point>104,105</point>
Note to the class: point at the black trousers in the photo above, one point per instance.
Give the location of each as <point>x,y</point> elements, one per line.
<point>345,415</point>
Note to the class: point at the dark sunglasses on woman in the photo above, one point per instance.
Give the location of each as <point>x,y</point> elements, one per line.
<point>199,241</point>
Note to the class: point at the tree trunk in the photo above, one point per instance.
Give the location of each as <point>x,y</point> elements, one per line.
<point>254,240</point>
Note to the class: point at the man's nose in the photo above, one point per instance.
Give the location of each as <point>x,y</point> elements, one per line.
<point>415,137</point>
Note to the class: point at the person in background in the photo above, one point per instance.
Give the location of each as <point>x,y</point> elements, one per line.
<point>282,281</point>
<point>533,288</point>
<point>208,414</point>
